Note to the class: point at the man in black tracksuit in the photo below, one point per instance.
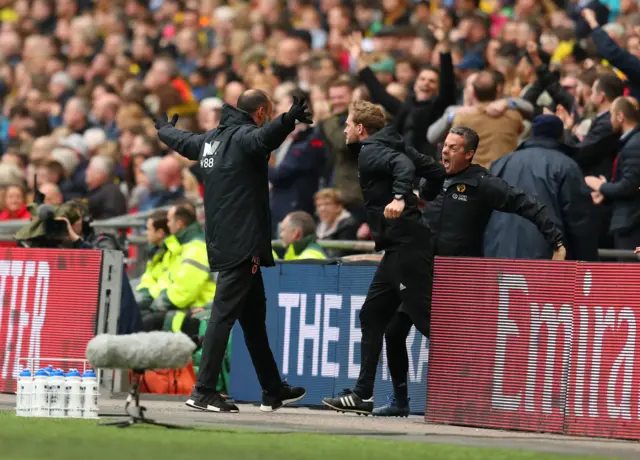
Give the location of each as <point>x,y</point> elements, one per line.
<point>233,161</point>
<point>387,169</point>
<point>458,217</point>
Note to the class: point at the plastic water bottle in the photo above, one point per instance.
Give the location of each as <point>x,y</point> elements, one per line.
<point>40,400</point>
<point>73,394</point>
<point>56,393</point>
<point>90,384</point>
<point>25,391</point>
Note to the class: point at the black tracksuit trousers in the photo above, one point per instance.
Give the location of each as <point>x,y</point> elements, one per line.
<point>397,354</point>
<point>404,276</point>
<point>239,296</point>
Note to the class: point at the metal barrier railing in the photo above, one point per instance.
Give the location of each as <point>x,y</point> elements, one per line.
<point>10,227</point>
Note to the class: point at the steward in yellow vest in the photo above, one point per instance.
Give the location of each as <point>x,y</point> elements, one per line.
<point>158,263</point>
<point>306,248</point>
<point>299,234</point>
<point>187,281</point>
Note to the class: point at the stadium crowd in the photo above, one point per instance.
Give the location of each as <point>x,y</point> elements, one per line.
<point>549,85</point>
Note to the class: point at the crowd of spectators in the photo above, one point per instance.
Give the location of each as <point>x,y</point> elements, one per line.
<point>82,80</point>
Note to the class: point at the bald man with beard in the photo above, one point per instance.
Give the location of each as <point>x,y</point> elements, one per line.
<point>234,160</point>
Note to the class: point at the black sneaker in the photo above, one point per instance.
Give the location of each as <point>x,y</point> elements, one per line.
<point>395,407</point>
<point>210,402</point>
<point>348,401</point>
<point>287,395</point>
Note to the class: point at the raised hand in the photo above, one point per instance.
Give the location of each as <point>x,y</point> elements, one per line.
<point>300,111</point>
<point>567,119</point>
<point>590,17</point>
<point>532,50</point>
<point>163,120</point>
<point>353,44</point>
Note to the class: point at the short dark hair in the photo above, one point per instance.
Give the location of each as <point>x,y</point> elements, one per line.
<point>184,215</point>
<point>535,28</point>
<point>628,107</point>
<point>159,221</point>
<point>304,222</point>
<point>610,85</point>
<point>485,87</point>
<point>498,77</point>
<point>588,77</point>
<point>53,166</point>
<point>471,138</point>
<point>341,81</point>
<point>430,68</point>
<point>252,99</point>
<point>185,203</point>
<point>410,61</point>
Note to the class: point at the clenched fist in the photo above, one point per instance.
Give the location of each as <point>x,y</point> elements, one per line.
<point>394,209</point>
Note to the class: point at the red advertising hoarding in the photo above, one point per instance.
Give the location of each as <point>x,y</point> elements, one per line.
<point>536,345</point>
<point>49,306</point>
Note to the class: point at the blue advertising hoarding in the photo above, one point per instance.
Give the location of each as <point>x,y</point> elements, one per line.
<point>314,331</point>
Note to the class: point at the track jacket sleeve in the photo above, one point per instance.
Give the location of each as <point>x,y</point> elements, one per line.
<point>268,137</point>
<point>379,93</point>
<point>502,197</point>
<point>618,57</point>
<point>385,160</point>
<point>185,143</point>
<point>426,166</point>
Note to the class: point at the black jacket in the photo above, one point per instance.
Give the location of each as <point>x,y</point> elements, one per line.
<point>541,167</point>
<point>459,214</point>
<point>622,192</point>
<point>388,167</point>
<point>596,152</point>
<point>411,117</point>
<point>234,163</point>
<point>107,201</point>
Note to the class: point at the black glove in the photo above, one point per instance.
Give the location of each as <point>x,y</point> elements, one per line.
<point>163,120</point>
<point>299,111</point>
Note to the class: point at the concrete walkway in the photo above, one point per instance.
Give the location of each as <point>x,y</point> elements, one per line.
<point>412,429</point>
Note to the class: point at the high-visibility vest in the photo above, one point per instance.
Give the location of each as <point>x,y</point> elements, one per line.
<point>312,251</point>
<point>187,280</point>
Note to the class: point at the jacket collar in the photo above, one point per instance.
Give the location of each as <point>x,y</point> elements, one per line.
<point>232,116</point>
<point>174,242</point>
<point>545,143</point>
<point>469,176</point>
<point>629,134</point>
<point>300,245</point>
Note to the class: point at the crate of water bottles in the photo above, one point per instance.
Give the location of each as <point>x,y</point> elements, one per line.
<point>50,392</point>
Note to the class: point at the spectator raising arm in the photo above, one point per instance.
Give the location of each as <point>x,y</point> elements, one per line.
<point>607,49</point>
<point>378,92</point>
<point>547,81</point>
